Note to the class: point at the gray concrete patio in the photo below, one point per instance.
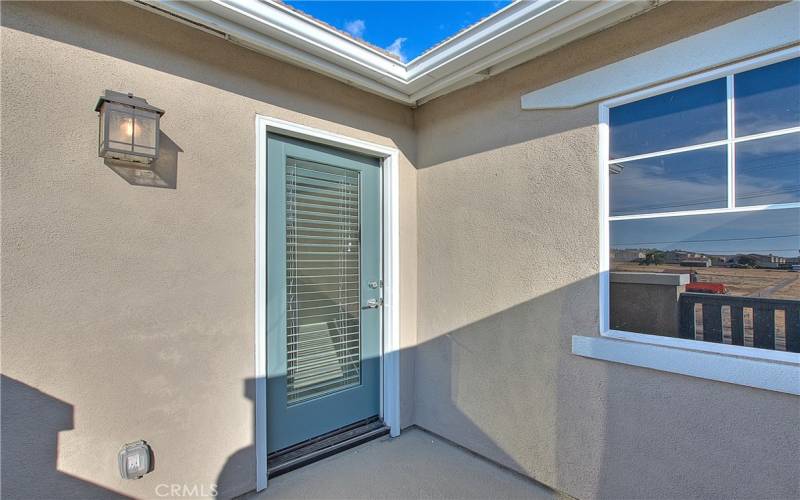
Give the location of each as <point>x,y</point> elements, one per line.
<point>415,465</point>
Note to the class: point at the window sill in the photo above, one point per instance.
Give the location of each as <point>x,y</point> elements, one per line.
<point>769,374</point>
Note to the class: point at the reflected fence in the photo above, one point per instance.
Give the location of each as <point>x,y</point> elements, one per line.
<point>746,321</point>
<point>659,304</point>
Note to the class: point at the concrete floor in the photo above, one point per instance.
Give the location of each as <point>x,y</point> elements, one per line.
<point>416,465</point>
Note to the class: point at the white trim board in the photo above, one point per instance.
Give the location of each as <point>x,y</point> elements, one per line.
<point>390,225</point>
<point>519,32</point>
<point>746,37</point>
<point>761,374</point>
<point>260,345</point>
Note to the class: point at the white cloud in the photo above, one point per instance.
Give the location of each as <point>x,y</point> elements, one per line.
<point>355,28</point>
<point>396,48</point>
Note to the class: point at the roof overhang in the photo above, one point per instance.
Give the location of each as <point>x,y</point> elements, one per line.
<point>515,34</point>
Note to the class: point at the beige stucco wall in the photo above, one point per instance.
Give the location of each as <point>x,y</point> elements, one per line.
<point>508,256</point>
<point>127,311</point>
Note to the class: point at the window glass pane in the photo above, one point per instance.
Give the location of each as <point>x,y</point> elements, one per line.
<point>725,278</point>
<point>767,98</point>
<point>691,180</point>
<point>768,170</point>
<point>685,117</point>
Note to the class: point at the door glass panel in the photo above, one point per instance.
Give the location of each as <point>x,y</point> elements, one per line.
<point>323,331</point>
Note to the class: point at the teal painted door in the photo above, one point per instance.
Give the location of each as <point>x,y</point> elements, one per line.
<point>323,285</point>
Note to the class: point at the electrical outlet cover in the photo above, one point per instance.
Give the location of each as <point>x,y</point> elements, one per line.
<point>134,460</point>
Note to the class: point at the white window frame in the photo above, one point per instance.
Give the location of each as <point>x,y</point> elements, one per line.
<point>773,370</point>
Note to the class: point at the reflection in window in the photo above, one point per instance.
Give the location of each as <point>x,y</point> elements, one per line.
<point>768,98</point>
<point>683,181</point>
<point>727,278</point>
<point>713,240</point>
<point>768,170</point>
<point>725,270</point>
<point>685,117</point>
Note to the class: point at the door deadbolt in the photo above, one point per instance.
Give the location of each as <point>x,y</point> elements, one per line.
<point>374,303</point>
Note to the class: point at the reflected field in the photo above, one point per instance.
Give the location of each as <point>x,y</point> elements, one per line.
<point>767,283</point>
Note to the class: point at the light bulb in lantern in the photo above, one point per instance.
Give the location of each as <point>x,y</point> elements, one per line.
<point>129,128</point>
<point>126,127</point>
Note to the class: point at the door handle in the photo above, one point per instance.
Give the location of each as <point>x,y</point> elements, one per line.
<point>373,304</point>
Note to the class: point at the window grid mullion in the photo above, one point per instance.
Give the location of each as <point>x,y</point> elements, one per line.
<point>731,143</point>
<point>705,145</point>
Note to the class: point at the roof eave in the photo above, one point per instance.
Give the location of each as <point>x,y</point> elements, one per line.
<point>483,50</point>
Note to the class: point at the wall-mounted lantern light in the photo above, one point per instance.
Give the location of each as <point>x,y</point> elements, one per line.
<point>128,128</point>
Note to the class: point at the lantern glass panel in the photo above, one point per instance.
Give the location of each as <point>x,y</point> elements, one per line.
<point>120,130</point>
<point>144,132</point>
<point>102,131</point>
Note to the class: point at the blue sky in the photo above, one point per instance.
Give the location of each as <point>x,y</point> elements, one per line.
<point>406,28</point>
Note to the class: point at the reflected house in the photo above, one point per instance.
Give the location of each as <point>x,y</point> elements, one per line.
<point>696,262</point>
<point>720,260</point>
<point>627,255</point>
<point>771,261</point>
<point>763,261</point>
<point>685,258</point>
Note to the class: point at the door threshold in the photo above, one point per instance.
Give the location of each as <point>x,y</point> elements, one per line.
<point>312,450</point>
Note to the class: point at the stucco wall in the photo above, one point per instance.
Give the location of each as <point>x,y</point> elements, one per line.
<point>508,256</point>
<point>127,311</point>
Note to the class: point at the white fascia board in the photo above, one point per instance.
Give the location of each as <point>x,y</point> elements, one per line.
<point>591,18</point>
<point>504,22</point>
<point>238,31</point>
<point>274,19</point>
<point>479,52</point>
<point>746,37</point>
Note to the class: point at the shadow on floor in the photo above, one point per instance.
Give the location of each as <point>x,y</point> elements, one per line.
<point>415,465</point>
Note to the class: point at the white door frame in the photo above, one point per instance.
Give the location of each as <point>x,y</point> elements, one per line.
<point>390,249</point>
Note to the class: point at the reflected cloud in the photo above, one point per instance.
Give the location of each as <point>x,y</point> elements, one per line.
<point>692,115</point>
<point>767,98</point>
<point>768,170</point>
<point>683,181</point>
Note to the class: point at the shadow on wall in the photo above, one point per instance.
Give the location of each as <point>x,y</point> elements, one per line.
<point>31,421</point>
<point>163,172</point>
<point>508,387</point>
<point>176,49</point>
<point>236,476</point>
<point>493,384</point>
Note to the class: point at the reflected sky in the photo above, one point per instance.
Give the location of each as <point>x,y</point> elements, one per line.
<point>774,232</point>
<point>768,170</point>
<point>693,115</point>
<point>692,180</point>
<point>767,98</point>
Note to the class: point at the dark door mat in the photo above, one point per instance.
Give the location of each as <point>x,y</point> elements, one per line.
<point>315,449</point>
